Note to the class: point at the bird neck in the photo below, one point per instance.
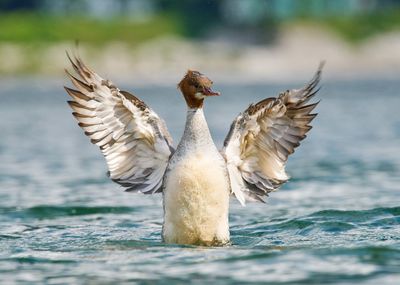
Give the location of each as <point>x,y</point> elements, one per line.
<point>196,128</point>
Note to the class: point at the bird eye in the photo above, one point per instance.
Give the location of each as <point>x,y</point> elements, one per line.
<point>197,85</point>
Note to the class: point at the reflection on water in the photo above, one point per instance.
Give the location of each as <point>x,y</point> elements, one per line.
<point>337,220</point>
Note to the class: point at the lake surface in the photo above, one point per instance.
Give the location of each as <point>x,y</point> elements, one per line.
<point>336,222</point>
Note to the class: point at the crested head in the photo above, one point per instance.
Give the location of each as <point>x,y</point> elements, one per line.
<point>195,87</point>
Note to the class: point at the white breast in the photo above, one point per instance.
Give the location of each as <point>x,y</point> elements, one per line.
<point>196,192</point>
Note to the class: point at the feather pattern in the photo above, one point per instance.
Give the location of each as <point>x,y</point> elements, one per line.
<point>133,139</point>
<point>261,138</point>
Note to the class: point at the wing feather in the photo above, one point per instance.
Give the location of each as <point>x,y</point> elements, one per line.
<point>133,139</point>
<point>261,139</point>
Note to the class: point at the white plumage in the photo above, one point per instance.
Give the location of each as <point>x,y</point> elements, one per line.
<point>196,195</point>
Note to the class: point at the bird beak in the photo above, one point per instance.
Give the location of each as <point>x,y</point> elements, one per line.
<point>207,91</point>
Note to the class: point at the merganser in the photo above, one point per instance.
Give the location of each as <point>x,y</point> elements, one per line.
<point>196,179</point>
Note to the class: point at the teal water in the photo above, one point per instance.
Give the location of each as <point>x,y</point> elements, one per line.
<point>336,222</point>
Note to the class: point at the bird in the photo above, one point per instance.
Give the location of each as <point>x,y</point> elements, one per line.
<point>195,178</point>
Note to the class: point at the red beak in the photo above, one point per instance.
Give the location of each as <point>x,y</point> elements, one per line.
<point>209,92</point>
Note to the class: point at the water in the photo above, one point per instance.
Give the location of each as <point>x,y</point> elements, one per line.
<point>337,221</point>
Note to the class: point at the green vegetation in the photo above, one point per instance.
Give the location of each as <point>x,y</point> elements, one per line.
<point>19,27</point>
<point>44,28</point>
<point>356,28</point>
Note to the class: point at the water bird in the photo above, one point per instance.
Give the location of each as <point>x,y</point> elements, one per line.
<point>195,178</point>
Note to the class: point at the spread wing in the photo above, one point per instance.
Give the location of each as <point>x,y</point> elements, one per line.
<point>263,136</point>
<point>131,136</point>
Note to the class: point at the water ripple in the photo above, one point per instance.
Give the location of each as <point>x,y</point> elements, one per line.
<point>336,222</point>
<point>52,212</point>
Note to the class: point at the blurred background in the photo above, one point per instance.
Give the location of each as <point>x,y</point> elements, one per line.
<point>157,40</point>
<point>337,221</point>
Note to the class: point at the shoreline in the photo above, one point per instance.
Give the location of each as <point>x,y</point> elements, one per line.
<point>293,57</point>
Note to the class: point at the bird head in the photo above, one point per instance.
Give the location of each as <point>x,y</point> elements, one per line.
<point>195,87</point>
